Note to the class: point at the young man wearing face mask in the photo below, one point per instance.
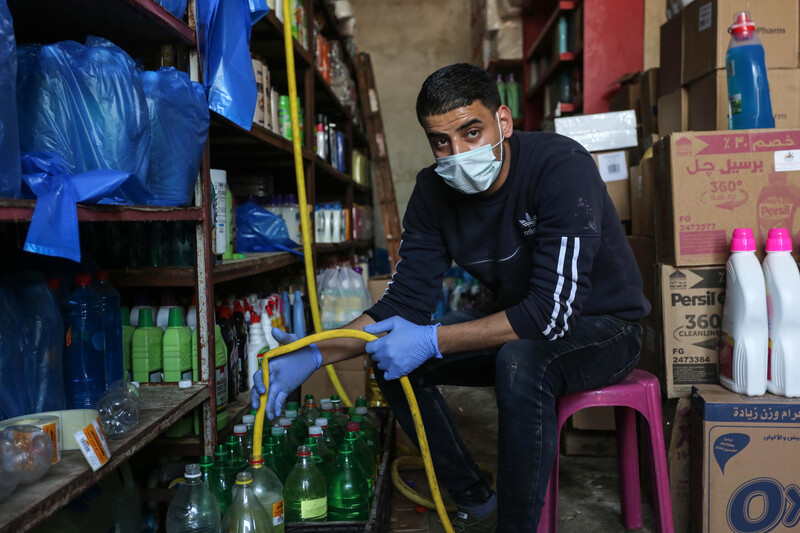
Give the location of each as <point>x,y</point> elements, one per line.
<point>527,214</point>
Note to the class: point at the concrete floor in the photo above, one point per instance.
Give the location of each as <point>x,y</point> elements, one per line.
<point>589,487</point>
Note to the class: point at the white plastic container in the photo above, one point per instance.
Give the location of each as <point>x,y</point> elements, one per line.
<point>745,331</point>
<point>336,223</point>
<point>783,305</point>
<point>255,343</point>
<point>219,183</point>
<point>319,223</point>
<point>191,317</point>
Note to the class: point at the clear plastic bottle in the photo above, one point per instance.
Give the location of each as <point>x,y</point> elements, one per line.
<point>305,491</point>
<point>119,408</point>
<point>327,454</point>
<point>328,434</point>
<point>84,370</point>
<point>269,491</point>
<point>246,514</point>
<point>10,460</point>
<point>36,451</point>
<point>112,328</point>
<point>217,482</point>
<point>194,508</point>
<point>348,489</point>
<point>237,447</point>
<point>310,411</point>
<point>324,464</point>
<point>749,103</point>
<point>339,417</point>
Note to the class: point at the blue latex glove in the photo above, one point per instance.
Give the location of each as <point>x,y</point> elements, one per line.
<point>405,348</point>
<point>286,373</point>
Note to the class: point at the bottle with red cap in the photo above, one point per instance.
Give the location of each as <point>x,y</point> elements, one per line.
<point>749,103</point>
<point>745,332</point>
<point>363,453</point>
<point>256,347</point>
<point>84,362</point>
<point>783,301</point>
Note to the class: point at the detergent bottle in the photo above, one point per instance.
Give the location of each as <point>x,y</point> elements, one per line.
<point>256,347</point>
<point>783,301</point>
<point>749,103</point>
<point>745,331</point>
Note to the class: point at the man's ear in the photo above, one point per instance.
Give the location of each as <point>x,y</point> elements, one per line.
<point>506,122</point>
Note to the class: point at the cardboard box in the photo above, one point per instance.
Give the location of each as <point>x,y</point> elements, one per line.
<point>352,375</point>
<point>706,37</point>
<point>613,168</point>
<point>673,112</point>
<point>710,183</point>
<point>642,198</point>
<point>377,287</point>
<point>655,14</point>
<point>648,106</point>
<point>629,95</point>
<point>678,464</point>
<point>670,64</point>
<point>595,419</point>
<point>644,250</point>
<point>687,317</point>
<point>613,121</point>
<point>744,467</point>
<point>708,100</point>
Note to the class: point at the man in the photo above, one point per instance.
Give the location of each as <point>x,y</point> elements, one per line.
<point>528,215</point>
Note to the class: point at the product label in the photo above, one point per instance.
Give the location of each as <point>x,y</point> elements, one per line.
<point>704,16</point>
<point>726,355</point>
<point>702,242</point>
<point>277,513</point>
<point>222,389</point>
<point>51,430</point>
<point>735,103</point>
<point>612,166</point>
<point>311,509</point>
<point>93,445</point>
<point>787,160</point>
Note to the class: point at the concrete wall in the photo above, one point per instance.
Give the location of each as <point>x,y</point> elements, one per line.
<point>407,41</point>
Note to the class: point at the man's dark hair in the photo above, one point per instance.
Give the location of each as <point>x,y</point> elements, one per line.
<point>456,86</point>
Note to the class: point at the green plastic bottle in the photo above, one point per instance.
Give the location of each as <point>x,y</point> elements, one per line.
<point>274,459</point>
<point>370,436</point>
<point>305,492</point>
<point>246,514</point>
<point>361,401</point>
<point>127,340</point>
<point>332,429</point>
<point>363,453</point>
<point>339,417</point>
<point>223,477</point>
<point>146,353</point>
<point>237,448</point>
<point>291,438</point>
<point>269,491</point>
<point>299,425</point>
<point>327,454</point>
<point>216,481</point>
<point>324,465</point>
<point>310,411</point>
<point>327,436</point>
<point>348,489</point>
<point>279,434</point>
<point>177,348</point>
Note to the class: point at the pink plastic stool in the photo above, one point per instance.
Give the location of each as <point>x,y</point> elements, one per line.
<point>640,392</point>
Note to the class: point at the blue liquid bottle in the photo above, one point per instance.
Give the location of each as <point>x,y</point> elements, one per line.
<point>749,103</point>
<point>84,371</point>
<point>112,326</point>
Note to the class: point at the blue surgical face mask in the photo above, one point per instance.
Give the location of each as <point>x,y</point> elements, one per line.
<point>472,171</point>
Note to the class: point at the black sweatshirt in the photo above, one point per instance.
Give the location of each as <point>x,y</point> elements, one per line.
<point>548,243</point>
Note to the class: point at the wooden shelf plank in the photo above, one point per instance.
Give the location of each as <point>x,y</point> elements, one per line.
<point>22,211</point>
<point>162,406</point>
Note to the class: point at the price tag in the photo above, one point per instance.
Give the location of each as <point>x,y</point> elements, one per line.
<point>787,160</point>
<point>93,445</point>
<point>612,166</point>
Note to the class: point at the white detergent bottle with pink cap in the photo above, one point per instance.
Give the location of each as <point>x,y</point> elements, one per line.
<point>783,308</point>
<point>745,330</point>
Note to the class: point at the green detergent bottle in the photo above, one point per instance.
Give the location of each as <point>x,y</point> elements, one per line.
<point>221,363</point>
<point>146,353</point>
<point>127,340</point>
<point>176,347</point>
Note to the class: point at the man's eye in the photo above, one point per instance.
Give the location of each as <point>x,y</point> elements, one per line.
<point>440,143</point>
<point>473,134</point>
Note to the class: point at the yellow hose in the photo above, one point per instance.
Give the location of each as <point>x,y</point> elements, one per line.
<point>410,397</point>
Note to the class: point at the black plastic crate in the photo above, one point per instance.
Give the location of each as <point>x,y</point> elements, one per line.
<point>381,512</point>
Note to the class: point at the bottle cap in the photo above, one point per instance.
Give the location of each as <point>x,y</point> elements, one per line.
<point>353,426</point>
<point>244,478</point>
<point>54,283</point>
<point>83,280</point>
<point>278,431</point>
<point>175,317</point>
<point>192,471</point>
<point>309,397</point>
<point>291,413</point>
<point>743,240</point>
<point>743,26</point>
<point>292,405</point>
<point>255,319</point>
<point>248,420</point>
<point>303,451</point>
<point>326,405</point>
<point>314,431</point>
<point>145,317</point>
<point>184,383</point>
<point>285,421</point>
<point>361,410</point>
<point>240,429</point>
<point>126,314</point>
<point>102,275</point>
<point>779,240</point>
<point>321,422</point>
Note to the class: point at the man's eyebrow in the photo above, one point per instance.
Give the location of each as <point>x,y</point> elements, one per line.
<point>464,126</point>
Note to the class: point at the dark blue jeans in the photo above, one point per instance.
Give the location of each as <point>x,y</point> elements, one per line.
<point>528,376</point>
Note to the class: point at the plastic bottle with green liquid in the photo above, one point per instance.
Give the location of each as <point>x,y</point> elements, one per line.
<point>269,491</point>
<point>370,437</point>
<point>290,436</point>
<point>327,454</point>
<point>310,411</point>
<point>331,429</point>
<point>246,514</point>
<point>217,481</point>
<point>222,470</point>
<point>146,356</point>
<point>363,453</point>
<point>327,435</point>
<point>339,417</point>
<point>237,447</point>
<point>284,447</point>
<point>323,464</point>
<point>305,491</point>
<point>348,489</point>
<point>274,459</point>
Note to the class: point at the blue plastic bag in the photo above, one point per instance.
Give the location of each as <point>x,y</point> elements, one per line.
<point>54,225</point>
<point>223,30</point>
<point>258,230</point>
<point>85,103</point>
<point>10,175</point>
<point>176,7</point>
<point>178,133</point>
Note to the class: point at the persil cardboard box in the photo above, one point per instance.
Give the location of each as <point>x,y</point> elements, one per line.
<point>708,183</point>
<point>681,340</point>
<point>744,462</point>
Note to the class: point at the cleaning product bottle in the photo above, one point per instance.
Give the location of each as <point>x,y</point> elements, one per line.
<point>240,329</point>
<point>348,489</point>
<point>266,326</point>
<point>298,315</point>
<point>84,368</point>
<point>745,331</point>
<point>246,514</point>
<point>269,491</point>
<point>305,491</point>
<point>749,103</point>
<point>194,508</point>
<point>323,465</point>
<point>177,348</point>
<point>374,395</point>
<point>274,458</point>
<point>368,425</point>
<point>777,205</point>
<point>168,302</point>
<point>127,340</point>
<point>783,300</point>
<point>146,357</point>
<point>256,346</point>
<point>112,328</point>
<point>501,88</point>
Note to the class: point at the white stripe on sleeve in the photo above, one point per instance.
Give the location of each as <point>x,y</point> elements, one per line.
<point>559,285</point>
